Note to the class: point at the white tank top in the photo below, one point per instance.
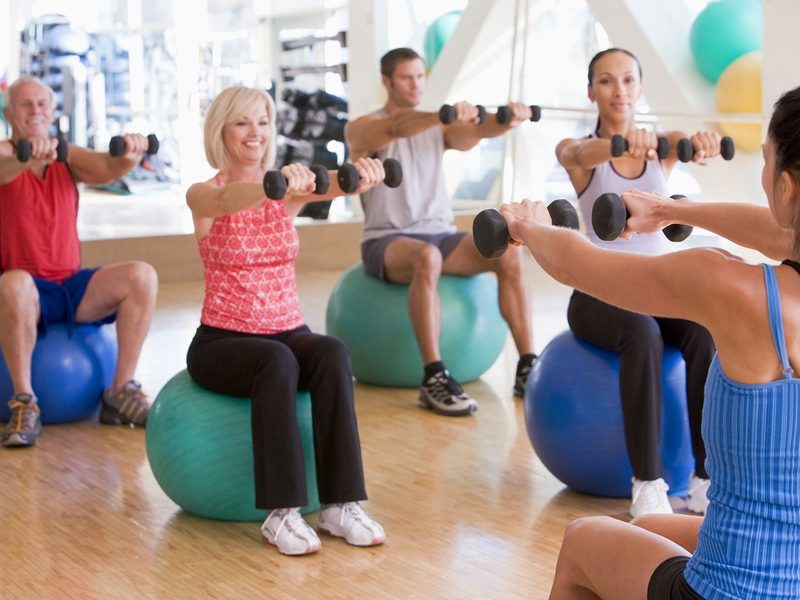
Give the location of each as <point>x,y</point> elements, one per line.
<point>605,179</point>
<point>420,204</point>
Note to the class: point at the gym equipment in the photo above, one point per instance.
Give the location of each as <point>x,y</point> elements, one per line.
<point>70,369</point>
<point>447,113</point>
<point>370,316</point>
<point>505,113</point>
<point>490,232</point>
<point>739,91</point>
<point>609,214</point>
<point>573,416</point>
<point>275,183</point>
<point>685,149</point>
<point>437,34</point>
<point>200,448</point>
<point>722,32</point>
<point>348,176</point>
<point>619,146</point>
<point>23,150</point>
<point>116,147</point>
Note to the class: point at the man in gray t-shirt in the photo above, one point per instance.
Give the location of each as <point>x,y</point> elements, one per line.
<point>409,233</point>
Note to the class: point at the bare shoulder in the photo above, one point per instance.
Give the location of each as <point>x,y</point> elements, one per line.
<point>6,148</point>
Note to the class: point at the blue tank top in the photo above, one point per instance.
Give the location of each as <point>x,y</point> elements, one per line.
<point>749,543</point>
<point>605,179</point>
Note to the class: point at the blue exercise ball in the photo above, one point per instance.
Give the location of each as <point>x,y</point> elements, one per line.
<point>69,371</point>
<point>722,32</point>
<point>573,415</point>
<point>200,448</point>
<point>371,318</point>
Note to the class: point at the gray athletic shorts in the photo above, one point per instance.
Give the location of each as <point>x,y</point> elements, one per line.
<point>372,251</point>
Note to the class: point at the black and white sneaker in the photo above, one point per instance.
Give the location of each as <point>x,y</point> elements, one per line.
<point>442,394</point>
<point>524,368</point>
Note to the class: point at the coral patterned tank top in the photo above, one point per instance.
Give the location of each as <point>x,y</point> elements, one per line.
<point>249,260</point>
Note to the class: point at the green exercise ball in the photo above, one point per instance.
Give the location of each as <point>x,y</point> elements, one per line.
<point>437,34</point>
<point>371,317</point>
<point>200,447</point>
<point>722,32</point>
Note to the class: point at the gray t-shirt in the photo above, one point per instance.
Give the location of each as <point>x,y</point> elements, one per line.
<point>420,204</point>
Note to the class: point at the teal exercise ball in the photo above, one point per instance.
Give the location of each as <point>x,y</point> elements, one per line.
<point>437,35</point>
<point>722,32</point>
<point>200,448</point>
<point>371,317</point>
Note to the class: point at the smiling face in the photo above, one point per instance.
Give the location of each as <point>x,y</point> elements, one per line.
<point>246,137</point>
<point>30,110</point>
<point>406,84</point>
<point>616,86</point>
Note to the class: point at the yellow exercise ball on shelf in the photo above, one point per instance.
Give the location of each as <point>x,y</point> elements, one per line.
<point>739,91</point>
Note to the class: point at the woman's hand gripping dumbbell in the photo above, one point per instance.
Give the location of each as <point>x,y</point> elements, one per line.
<point>620,145</point>
<point>41,149</point>
<point>121,144</point>
<point>490,232</point>
<point>610,214</point>
<point>276,183</point>
<point>705,145</point>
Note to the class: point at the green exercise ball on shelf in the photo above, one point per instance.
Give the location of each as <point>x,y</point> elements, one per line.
<point>200,448</point>
<point>722,32</point>
<point>437,35</point>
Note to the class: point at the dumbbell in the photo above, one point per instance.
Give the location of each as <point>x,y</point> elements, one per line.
<point>619,145</point>
<point>24,150</point>
<point>116,147</point>
<point>447,113</point>
<point>506,113</point>
<point>348,176</point>
<point>609,214</point>
<point>275,183</point>
<point>490,231</point>
<point>727,149</point>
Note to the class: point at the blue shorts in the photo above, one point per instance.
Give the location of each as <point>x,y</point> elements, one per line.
<point>58,302</point>
<point>373,251</point>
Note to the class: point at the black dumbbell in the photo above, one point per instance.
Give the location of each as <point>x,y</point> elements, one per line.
<point>275,183</point>
<point>609,214</point>
<point>24,149</point>
<point>727,149</point>
<point>348,176</point>
<point>619,145</point>
<point>506,113</point>
<point>116,147</point>
<point>447,114</point>
<point>490,231</point>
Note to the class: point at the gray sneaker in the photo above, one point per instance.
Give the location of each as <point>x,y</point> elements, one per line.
<point>442,394</point>
<point>25,424</point>
<point>127,407</point>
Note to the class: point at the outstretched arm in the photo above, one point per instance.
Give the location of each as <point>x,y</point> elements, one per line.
<point>372,133</point>
<point>747,225</point>
<point>90,166</point>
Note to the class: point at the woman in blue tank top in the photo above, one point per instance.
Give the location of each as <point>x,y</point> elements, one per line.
<point>748,545</point>
<point>615,85</point>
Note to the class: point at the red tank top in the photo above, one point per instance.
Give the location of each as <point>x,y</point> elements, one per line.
<point>249,260</point>
<point>38,224</point>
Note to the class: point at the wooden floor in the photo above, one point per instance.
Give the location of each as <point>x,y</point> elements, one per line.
<point>469,510</point>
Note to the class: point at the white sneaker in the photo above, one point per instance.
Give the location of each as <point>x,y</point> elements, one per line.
<point>698,494</point>
<point>649,497</point>
<point>286,529</point>
<point>348,520</point>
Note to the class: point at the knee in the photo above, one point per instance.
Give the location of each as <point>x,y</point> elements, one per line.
<point>428,262</point>
<point>643,335</point>
<point>510,263</point>
<point>277,363</point>
<point>18,291</point>
<point>143,277</point>
<point>331,350</point>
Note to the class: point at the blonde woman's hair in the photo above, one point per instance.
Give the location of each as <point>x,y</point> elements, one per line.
<point>231,104</point>
<point>10,90</point>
